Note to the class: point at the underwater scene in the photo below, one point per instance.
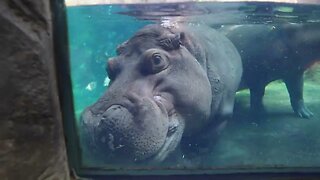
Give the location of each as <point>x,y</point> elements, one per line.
<point>202,86</point>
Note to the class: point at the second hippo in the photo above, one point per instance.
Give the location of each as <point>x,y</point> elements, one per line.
<point>168,84</point>
<point>273,52</point>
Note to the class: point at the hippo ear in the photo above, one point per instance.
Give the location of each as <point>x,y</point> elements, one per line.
<point>176,41</point>
<point>170,42</point>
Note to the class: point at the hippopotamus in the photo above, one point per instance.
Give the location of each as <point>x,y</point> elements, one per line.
<point>276,52</point>
<point>168,83</point>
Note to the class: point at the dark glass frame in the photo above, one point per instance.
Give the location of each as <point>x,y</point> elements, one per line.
<point>61,52</point>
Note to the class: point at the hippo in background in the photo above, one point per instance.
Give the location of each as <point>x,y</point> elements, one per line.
<point>171,87</point>
<point>273,52</point>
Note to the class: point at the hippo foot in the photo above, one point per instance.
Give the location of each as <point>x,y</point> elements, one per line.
<point>302,111</point>
<point>258,113</point>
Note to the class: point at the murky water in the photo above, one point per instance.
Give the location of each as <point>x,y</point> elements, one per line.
<point>277,137</point>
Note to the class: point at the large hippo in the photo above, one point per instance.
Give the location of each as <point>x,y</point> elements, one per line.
<point>273,52</point>
<point>167,83</point>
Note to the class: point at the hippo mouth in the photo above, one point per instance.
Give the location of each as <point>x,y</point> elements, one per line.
<point>145,133</point>
<point>174,133</point>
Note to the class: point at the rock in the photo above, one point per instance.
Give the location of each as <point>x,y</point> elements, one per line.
<point>31,137</point>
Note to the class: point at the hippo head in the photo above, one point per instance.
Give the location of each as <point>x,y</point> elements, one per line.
<point>158,93</point>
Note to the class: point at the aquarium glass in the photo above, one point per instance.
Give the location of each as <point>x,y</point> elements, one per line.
<point>173,103</point>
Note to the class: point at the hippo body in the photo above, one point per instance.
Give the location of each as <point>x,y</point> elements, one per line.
<point>167,84</point>
<point>276,52</point>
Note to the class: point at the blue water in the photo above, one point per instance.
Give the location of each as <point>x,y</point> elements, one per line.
<point>282,140</point>
<point>94,34</point>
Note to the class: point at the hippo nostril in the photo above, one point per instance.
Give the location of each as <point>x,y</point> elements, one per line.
<point>88,118</point>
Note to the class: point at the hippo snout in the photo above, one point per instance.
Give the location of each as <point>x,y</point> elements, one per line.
<point>107,129</point>
<point>111,132</point>
<point>128,136</point>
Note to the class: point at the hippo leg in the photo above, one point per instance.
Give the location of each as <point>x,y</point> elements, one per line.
<point>294,85</point>
<point>256,100</point>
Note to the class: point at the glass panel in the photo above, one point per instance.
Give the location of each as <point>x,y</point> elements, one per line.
<point>166,88</point>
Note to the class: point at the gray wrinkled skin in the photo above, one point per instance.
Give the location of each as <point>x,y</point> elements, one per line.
<point>167,84</point>
<point>272,52</point>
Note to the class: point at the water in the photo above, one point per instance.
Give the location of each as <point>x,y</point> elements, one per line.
<point>280,139</point>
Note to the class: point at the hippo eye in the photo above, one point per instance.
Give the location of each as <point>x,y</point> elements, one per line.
<point>157,63</point>
<point>154,61</point>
